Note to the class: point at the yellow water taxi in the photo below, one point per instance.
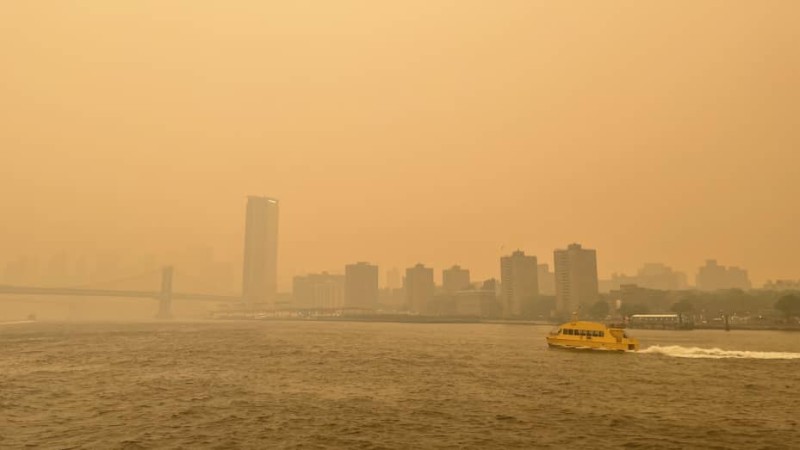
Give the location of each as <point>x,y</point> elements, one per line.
<point>581,335</point>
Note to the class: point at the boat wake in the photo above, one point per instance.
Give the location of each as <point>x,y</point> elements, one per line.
<point>715,353</point>
<point>17,322</point>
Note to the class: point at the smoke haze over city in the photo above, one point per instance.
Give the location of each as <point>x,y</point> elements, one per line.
<point>411,224</point>
<point>433,132</point>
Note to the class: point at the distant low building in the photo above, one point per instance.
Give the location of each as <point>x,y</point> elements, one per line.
<point>782,285</point>
<point>606,285</point>
<point>658,321</point>
<point>477,303</point>
<point>318,291</point>
<point>713,276</point>
<point>23,270</point>
<point>633,299</point>
<point>652,276</point>
<point>392,299</point>
<point>547,280</point>
<point>393,279</point>
<point>480,302</point>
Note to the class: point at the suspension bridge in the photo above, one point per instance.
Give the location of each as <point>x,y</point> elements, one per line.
<point>164,295</point>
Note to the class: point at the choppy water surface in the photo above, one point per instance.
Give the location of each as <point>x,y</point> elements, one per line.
<point>379,385</point>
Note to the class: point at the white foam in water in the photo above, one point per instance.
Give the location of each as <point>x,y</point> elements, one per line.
<point>17,322</point>
<point>715,353</point>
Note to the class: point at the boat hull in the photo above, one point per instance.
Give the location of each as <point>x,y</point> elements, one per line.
<point>590,344</point>
<point>591,348</point>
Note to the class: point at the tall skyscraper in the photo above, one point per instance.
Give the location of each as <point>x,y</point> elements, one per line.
<point>519,280</point>
<point>419,288</point>
<point>259,279</point>
<point>455,279</point>
<point>576,278</point>
<point>361,285</point>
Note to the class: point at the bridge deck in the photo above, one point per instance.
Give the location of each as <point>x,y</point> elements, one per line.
<point>80,292</point>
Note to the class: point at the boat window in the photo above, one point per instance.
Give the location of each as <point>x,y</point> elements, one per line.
<point>568,330</point>
<point>602,334</point>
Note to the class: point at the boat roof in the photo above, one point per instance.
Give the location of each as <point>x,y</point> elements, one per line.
<point>584,325</point>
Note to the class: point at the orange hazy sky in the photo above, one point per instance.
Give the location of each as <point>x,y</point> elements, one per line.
<point>395,132</point>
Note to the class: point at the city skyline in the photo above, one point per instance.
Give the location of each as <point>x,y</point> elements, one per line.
<point>260,271</point>
<point>261,232</point>
<point>483,271</point>
<point>80,268</point>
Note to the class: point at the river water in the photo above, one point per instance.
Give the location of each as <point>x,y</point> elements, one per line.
<point>386,385</point>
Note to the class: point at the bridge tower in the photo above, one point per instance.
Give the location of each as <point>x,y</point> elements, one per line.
<point>165,296</point>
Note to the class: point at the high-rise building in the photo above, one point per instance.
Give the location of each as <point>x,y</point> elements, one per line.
<point>455,279</point>
<point>419,288</point>
<point>519,280</point>
<point>318,291</point>
<point>361,285</point>
<point>259,278</point>
<point>576,278</point>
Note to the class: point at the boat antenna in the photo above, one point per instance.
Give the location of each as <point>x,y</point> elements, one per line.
<point>575,314</point>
